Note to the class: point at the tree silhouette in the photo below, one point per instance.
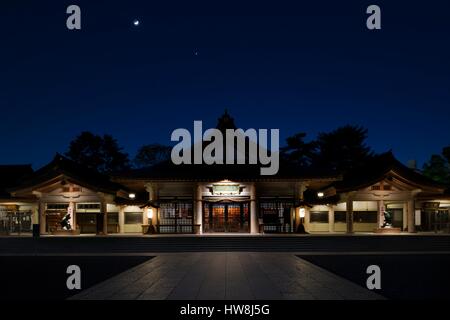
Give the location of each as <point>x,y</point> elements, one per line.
<point>446,153</point>
<point>342,149</point>
<point>101,153</point>
<point>151,154</point>
<point>298,151</point>
<point>438,167</point>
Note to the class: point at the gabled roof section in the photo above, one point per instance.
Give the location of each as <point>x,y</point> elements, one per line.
<point>241,172</point>
<point>385,167</point>
<point>11,175</point>
<point>244,172</point>
<point>63,169</point>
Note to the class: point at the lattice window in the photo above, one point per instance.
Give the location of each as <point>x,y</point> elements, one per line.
<point>176,217</point>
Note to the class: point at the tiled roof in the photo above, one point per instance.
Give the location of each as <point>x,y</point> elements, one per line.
<point>380,168</point>
<point>60,165</point>
<point>169,171</point>
<point>11,175</point>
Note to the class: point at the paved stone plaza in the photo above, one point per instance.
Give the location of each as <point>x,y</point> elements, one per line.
<point>227,275</point>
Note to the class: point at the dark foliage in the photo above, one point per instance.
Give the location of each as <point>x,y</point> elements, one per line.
<point>341,150</point>
<point>438,167</point>
<point>101,153</point>
<point>151,154</point>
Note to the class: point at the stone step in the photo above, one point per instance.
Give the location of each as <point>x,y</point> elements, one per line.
<point>114,244</point>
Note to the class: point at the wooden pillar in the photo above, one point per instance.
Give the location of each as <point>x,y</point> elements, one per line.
<point>297,218</point>
<point>405,216</point>
<point>330,218</point>
<point>292,221</point>
<point>349,216</point>
<point>198,207</point>
<point>380,216</point>
<point>42,220</point>
<point>35,215</point>
<point>104,213</point>
<point>254,223</point>
<point>145,219</point>
<point>121,219</point>
<point>411,216</point>
<point>307,218</point>
<point>73,215</point>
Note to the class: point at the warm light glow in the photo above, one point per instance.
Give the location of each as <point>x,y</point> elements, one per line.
<point>150,213</point>
<point>320,194</point>
<point>302,212</point>
<point>132,195</point>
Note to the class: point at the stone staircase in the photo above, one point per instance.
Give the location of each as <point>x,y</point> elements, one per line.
<point>242,243</point>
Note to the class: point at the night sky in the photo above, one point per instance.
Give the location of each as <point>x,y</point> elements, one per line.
<point>306,68</point>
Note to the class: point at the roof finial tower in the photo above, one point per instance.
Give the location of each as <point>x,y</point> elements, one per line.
<point>225,122</point>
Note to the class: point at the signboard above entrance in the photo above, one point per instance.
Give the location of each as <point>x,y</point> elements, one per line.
<point>226,189</point>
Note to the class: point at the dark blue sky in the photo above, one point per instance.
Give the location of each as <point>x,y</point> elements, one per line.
<point>306,68</point>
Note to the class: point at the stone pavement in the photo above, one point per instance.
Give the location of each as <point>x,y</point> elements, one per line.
<point>227,275</point>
